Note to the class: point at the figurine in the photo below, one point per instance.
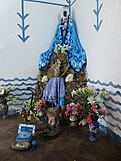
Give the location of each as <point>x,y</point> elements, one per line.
<point>53,117</point>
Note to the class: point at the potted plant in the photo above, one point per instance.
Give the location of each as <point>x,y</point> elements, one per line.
<point>25,113</point>
<point>5,96</point>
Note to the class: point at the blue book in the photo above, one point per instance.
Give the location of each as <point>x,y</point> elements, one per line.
<point>25,133</point>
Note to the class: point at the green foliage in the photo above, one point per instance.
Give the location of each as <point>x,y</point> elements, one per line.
<point>6,94</point>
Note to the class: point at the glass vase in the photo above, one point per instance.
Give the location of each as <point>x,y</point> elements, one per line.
<point>93,127</point>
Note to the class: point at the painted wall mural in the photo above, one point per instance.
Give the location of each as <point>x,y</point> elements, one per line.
<point>23,27</point>
<point>20,89</point>
<point>97,12</point>
<point>111,124</point>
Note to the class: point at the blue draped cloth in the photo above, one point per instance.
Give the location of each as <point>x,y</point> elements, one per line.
<point>76,55</point>
<point>54,90</point>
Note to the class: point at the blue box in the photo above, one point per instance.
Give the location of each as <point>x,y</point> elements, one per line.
<point>25,133</point>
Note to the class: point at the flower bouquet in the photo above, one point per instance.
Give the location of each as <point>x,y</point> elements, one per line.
<point>62,49</point>
<point>25,113</point>
<point>40,107</point>
<point>5,96</point>
<point>72,111</point>
<point>92,102</point>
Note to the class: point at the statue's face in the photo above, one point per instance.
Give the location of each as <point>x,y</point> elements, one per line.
<point>65,13</point>
<point>52,121</point>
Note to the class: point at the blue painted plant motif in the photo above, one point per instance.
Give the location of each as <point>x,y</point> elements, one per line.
<point>23,27</point>
<point>97,12</point>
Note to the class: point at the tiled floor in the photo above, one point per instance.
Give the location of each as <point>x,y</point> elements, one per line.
<point>71,144</point>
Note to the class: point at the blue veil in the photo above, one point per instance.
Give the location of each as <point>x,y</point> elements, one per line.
<point>76,55</point>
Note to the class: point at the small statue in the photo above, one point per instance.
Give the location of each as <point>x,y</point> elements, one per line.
<point>64,22</point>
<point>53,117</point>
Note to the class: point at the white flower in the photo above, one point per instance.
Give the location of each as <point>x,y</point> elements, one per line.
<point>72,104</point>
<point>91,100</point>
<point>2,90</point>
<point>80,89</point>
<point>40,113</point>
<point>44,78</point>
<point>83,122</point>
<point>69,78</point>
<point>83,89</point>
<point>61,48</point>
<point>92,88</point>
<point>29,117</point>
<point>73,92</point>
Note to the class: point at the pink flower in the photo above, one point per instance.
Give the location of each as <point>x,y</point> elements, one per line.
<point>62,108</point>
<point>44,104</point>
<point>73,111</point>
<point>66,113</point>
<point>78,106</point>
<point>69,108</point>
<point>94,107</point>
<point>89,120</point>
<point>38,108</point>
<point>77,113</point>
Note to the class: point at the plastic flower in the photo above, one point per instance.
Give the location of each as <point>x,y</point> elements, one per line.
<point>89,119</point>
<point>92,102</point>
<point>40,107</point>
<point>44,78</point>
<point>73,92</point>
<point>69,78</point>
<point>5,94</point>
<point>103,112</point>
<point>62,49</point>
<point>25,113</point>
<point>72,109</point>
<point>94,107</point>
<point>1,90</point>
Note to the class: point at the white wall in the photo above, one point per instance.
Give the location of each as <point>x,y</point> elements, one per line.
<point>19,59</point>
<point>103,48</point>
<point>103,53</point>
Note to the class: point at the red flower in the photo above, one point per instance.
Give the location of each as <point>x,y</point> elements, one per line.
<point>66,113</point>
<point>78,106</point>
<point>38,108</point>
<point>26,114</point>
<point>62,108</point>
<point>77,113</point>
<point>73,111</point>
<point>69,108</point>
<point>89,120</point>
<point>94,107</point>
<point>103,112</point>
<point>44,103</point>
